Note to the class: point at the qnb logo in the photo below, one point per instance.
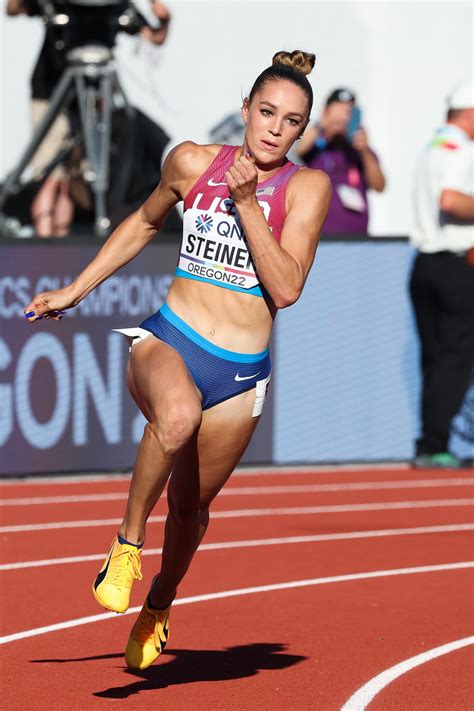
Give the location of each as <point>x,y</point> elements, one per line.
<point>204,223</point>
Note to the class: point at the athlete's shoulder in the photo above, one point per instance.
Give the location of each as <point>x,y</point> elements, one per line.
<point>185,163</point>
<point>192,157</point>
<point>310,179</point>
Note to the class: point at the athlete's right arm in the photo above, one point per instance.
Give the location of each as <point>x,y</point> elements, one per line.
<point>130,237</point>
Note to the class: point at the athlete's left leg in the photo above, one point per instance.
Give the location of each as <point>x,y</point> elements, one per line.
<point>201,471</point>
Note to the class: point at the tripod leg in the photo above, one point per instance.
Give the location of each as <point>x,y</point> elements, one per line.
<point>104,129</point>
<point>95,109</point>
<point>87,100</point>
<point>59,100</point>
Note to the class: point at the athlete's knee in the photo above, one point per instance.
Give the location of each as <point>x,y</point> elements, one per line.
<point>176,427</point>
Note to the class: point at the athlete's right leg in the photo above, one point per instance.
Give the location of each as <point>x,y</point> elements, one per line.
<point>164,391</point>
<point>160,384</point>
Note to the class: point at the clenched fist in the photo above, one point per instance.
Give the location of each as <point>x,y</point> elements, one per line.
<point>242,180</point>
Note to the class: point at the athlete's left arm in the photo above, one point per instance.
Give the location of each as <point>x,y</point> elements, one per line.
<point>284,266</point>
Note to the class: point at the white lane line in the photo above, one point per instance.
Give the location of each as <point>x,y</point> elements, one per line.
<point>321,468</point>
<point>348,535</point>
<point>73,499</point>
<point>245,591</point>
<point>240,471</point>
<point>242,513</point>
<point>362,698</point>
<point>256,490</point>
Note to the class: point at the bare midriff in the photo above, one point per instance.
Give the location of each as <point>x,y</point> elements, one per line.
<point>229,319</point>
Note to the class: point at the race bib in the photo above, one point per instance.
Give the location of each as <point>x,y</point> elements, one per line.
<point>214,247</point>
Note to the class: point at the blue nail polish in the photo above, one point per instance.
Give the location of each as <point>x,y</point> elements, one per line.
<point>30,313</point>
<point>38,318</point>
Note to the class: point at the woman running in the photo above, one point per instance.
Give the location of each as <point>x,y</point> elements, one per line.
<point>200,366</point>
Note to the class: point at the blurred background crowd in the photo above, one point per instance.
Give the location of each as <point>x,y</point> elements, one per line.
<point>182,66</point>
<point>98,91</point>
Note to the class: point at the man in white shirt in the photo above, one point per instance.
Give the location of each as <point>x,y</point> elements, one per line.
<point>442,281</point>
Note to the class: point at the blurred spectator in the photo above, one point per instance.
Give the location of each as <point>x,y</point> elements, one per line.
<point>52,209</point>
<point>338,145</point>
<point>442,281</point>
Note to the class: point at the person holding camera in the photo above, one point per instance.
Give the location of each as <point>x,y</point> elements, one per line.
<point>338,145</point>
<point>52,209</point>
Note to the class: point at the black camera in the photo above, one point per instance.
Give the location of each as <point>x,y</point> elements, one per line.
<point>77,23</point>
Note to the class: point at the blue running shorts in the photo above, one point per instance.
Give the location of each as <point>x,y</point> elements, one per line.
<point>218,374</point>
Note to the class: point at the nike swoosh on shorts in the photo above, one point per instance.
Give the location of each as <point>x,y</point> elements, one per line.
<point>238,377</point>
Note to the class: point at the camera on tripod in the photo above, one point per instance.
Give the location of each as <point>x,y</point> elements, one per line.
<point>84,33</point>
<point>77,23</point>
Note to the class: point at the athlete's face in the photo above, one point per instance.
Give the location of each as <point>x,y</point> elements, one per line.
<point>275,118</point>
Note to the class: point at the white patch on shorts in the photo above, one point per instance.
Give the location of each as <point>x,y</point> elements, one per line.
<point>260,395</point>
<point>133,335</point>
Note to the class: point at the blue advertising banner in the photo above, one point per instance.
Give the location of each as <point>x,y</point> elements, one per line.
<point>64,405</point>
<point>347,380</point>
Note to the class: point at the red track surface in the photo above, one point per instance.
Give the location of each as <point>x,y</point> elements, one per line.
<point>299,649</point>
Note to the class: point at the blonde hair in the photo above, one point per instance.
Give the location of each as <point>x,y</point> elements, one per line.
<point>292,66</point>
<point>298,60</point>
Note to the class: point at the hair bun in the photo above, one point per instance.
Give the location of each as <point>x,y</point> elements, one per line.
<point>299,61</point>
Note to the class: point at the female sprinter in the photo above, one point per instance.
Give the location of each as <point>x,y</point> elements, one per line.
<point>200,366</point>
